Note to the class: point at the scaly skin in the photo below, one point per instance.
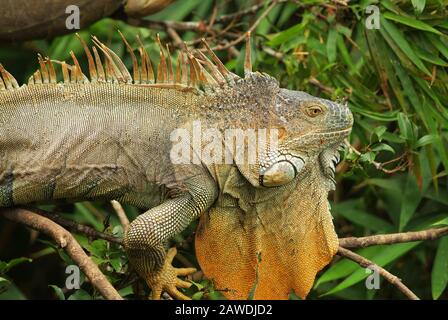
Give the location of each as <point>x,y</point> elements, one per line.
<point>266,225</point>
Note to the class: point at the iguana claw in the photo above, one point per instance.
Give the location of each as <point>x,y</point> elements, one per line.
<point>167,279</point>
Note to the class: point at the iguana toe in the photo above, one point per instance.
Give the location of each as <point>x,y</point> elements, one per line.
<point>167,279</point>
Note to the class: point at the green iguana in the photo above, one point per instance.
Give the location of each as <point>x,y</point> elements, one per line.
<point>265,225</point>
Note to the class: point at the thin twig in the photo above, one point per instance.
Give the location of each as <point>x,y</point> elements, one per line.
<point>379,165</point>
<point>66,241</point>
<point>250,30</point>
<point>76,227</point>
<point>121,214</point>
<point>251,10</point>
<point>41,220</point>
<point>162,25</point>
<point>201,26</point>
<point>361,242</point>
<point>276,54</point>
<point>394,280</point>
<point>321,86</point>
<point>175,37</point>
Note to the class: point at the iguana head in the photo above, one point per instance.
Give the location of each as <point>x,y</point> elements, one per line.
<point>313,129</point>
<point>310,131</point>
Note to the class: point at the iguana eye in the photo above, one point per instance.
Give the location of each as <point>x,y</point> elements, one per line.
<point>314,111</point>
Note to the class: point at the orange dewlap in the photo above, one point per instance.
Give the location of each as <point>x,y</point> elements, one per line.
<point>293,239</point>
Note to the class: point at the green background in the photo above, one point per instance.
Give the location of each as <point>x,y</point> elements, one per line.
<point>396,83</point>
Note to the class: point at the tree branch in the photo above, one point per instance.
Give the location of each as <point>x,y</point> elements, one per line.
<point>121,214</point>
<point>66,241</point>
<point>76,227</point>
<point>379,165</point>
<point>344,243</point>
<point>394,280</point>
<point>251,10</point>
<point>250,30</point>
<point>200,26</point>
<point>361,242</point>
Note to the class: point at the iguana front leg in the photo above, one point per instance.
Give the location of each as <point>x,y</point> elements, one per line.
<point>147,236</point>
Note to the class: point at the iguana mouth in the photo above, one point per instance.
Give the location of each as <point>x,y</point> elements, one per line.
<point>344,132</point>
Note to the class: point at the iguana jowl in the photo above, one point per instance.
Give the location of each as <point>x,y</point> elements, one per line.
<point>264,226</point>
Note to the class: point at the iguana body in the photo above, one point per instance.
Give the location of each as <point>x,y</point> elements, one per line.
<point>265,226</point>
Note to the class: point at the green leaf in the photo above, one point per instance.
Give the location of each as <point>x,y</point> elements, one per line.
<point>439,274</point>
<point>12,293</point>
<point>6,266</point>
<point>403,44</point>
<point>411,198</point>
<point>425,140</point>
<point>3,280</point>
<point>349,210</point>
<point>436,196</point>
<point>405,125</point>
<point>378,132</point>
<point>385,256</point>
<point>345,55</point>
<point>198,295</point>
<point>443,221</point>
<point>80,295</point>
<point>57,291</point>
<point>331,45</point>
<point>383,147</point>
<point>443,49</point>
<point>368,157</point>
<point>116,264</point>
<point>98,248</point>
<point>89,216</point>
<point>288,34</point>
<point>345,267</point>
<point>380,116</point>
<point>387,184</point>
<point>441,149</point>
<point>126,291</point>
<point>198,285</point>
<point>414,23</point>
<point>178,10</point>
<point>419,5</point>
<point>430,57</point>
<point>216,295</point>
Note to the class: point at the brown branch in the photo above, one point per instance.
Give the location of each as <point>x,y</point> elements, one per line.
<point>175,37</point>
<point>348,242</point>
<point>62,237</point>
<point>379,165</point>
<point>394,280</point>
<point>250,30</point>
<point>75,227</point>
<point>251,10</point>
<point>201,26</point>
<point>66,241</point>
<point>321,86</point>
<point>276,54</point>
<point>121,214</point>
<point>162,25</point>
<point>361,242</point>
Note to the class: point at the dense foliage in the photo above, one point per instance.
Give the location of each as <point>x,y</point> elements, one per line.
<point>393,177</point>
